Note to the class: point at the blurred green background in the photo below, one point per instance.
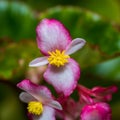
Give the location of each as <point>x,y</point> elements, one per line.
<point>97,21</point>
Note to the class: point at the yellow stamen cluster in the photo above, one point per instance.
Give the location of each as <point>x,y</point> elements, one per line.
<point>58,58</point>
<point>35,107</point>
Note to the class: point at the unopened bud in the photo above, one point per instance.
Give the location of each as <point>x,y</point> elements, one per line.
<point>97,111</point>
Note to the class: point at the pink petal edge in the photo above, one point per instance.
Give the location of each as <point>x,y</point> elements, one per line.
<point>52,35</point>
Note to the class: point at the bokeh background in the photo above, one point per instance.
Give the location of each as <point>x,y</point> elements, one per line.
<point>97,21</point>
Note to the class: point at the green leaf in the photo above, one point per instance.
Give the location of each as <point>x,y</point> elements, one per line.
<point>108,8</point>
<point>17,21</point>
<point>15,58</point>
<point>103,40</point>
<point>109,70</point>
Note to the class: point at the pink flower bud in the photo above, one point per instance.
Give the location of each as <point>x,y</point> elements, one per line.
<point>97,111</point>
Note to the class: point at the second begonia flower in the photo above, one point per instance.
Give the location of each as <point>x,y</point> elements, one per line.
<point>41,105</point>
<point>56,44</point>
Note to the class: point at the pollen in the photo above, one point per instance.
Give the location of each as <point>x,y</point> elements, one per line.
<point>58,58</point>
<point>35,108</point>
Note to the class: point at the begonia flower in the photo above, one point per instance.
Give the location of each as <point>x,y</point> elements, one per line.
<point>41,105</point>
<point>97,111</point>
<point>56,44</point>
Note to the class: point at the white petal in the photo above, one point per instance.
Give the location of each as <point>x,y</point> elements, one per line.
<point>54,104</point>
<point>38,62</point>
<point>48,114</point>
<point>64,79</point>
<point>25,97</point>
<point>75,45</point>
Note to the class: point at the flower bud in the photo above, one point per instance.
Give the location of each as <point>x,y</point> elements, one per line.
<point>97,111</point>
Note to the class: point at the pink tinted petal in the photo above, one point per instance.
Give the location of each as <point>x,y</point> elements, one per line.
<point>52,35</point>
<point>48,114</point>
<point>38,62</point>
<point>64,79</point>
<point>104,94</point>
<point>40,93</point>
<point>103,90</point>
<point>84,94</point>
<point>98,111</point>
<point>25,97</point>
<point>75,45</point>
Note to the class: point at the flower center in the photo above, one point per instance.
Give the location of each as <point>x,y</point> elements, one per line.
<point>58,58</point>
<point>35,108</point>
